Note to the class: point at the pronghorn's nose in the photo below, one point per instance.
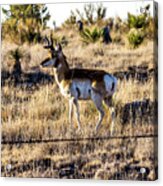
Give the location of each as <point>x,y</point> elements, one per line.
<point>45,62</point>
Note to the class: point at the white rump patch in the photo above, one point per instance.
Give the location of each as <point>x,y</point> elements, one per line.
<point>110,83</point>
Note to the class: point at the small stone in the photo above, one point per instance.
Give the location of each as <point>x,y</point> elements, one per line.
<point>142,170</point>
<point>8,167</point>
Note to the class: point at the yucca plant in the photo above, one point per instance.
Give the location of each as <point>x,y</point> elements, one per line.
<point>24,23</point>
<point>138,25</point>
<point>89,11</point>
<point>91,35</point>
<point>16,55</point>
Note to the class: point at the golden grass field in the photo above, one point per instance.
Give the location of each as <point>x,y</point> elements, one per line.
<point>35,110</point>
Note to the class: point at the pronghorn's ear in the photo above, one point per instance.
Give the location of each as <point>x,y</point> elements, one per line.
<point>59,47</point>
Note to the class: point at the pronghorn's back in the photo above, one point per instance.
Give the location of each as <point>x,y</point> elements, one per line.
<point>99,79</point>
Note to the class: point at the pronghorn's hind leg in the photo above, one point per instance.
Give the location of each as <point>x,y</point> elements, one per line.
<point>109,102</point>
<point>97,99</point>
<point>70,111</point>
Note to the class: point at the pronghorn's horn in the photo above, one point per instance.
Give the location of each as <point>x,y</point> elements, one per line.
<point>51,39</point>
<point>47,40</point>
<point>50,45</point>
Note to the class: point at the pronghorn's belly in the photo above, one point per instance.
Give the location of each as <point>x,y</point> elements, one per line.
<point>81,89</point>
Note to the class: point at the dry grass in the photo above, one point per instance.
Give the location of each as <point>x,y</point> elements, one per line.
<point>42,113</point>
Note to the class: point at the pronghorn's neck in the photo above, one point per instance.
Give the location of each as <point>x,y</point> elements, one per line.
<point>62,69</point>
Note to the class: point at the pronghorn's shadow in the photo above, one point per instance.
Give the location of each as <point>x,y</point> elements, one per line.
<point>145,111</point>
<point>140,73</point>
<point>27,79</point>
<point>138,112</point>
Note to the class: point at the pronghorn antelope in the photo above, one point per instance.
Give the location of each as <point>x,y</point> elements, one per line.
<point>81,84</point>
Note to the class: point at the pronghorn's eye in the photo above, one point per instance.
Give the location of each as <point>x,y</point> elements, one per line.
<point>54,55</point>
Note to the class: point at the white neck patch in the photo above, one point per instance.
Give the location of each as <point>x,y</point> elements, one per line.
<point>59,66</point>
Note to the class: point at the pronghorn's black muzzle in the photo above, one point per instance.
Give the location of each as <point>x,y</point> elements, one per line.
<point>43,63</point>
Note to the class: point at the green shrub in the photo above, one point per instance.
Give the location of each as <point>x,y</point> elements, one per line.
<point>140,26</point>
<point>140,21</point>
<point>135,37</point>
<point>91,35</point>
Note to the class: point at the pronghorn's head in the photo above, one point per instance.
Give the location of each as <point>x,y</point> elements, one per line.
<point>57,59</point>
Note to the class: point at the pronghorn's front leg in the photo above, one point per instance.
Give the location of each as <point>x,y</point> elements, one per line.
<point>75,101</point>
<point>97,99</point>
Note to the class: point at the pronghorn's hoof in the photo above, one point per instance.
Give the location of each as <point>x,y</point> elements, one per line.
<point>71,130</point>
<point>96,130</point>
<point>112,133</point>
<point>79,130</point>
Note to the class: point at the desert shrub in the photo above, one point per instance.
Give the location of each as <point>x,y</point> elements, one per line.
<point>117,24</point>
<point>71,20</point>
<point>140,26</point>
<point>16,54</point>
<point>140,21</point>
<point>135,37</point>
<point>91,35</point>
<point>59,39</point>
<point>90,15</point>
<point>117,38</point>
<point>89,11</point>
<point>94,14</point>
<point>24,23</point>
<point>101,12</point>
